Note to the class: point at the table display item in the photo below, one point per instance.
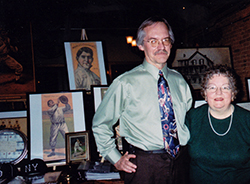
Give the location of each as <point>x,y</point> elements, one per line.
<point>13,146</point>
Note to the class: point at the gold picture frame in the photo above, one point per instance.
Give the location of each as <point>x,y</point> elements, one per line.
<point>77,147</point>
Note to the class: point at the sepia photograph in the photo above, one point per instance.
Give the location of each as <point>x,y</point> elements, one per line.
<point>85,63</point>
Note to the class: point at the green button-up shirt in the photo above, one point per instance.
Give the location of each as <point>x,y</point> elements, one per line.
<point>132,99</point>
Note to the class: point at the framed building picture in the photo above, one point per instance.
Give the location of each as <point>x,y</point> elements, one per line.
<point>51,116</point>
<point>77,147</point>
<point>193,62</point>
<point>85,64</point>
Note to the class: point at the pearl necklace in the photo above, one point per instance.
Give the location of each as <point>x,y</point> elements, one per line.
<point>230,124</point>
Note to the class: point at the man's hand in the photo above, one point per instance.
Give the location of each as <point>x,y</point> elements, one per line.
<point>125,165</point>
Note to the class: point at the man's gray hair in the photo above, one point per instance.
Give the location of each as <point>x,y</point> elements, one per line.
<point>150,21</point>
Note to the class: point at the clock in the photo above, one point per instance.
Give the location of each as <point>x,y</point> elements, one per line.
<point>13,146</point>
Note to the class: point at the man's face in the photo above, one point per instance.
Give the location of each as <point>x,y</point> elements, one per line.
<point>85,60</point>
<point>158,55</point>
<point>51,103</point>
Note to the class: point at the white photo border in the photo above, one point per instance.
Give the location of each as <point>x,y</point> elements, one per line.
<point>97,94</point>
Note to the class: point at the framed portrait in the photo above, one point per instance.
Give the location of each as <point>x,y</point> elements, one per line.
<point>98,93</point>
<point>85,64</point>
<point>77,147</point>
<point>248,88</point>
<point>51,116</point>
<point>14,119</point>
<point>193,62</point>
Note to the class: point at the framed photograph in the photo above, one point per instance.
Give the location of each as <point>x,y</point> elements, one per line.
<point>85,63</point>
<point>193,62</point>
<point>16,59</point>
<point>98,94</point>
<point>77,147</point>
<point>14,119</point>
<point>248,88</point>
<point>51,116</point>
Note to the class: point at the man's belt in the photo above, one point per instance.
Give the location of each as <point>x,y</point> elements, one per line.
<point>133,149</point>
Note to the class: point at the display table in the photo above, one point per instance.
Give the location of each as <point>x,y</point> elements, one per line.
<point>95,182</point>
<point>73,174</point>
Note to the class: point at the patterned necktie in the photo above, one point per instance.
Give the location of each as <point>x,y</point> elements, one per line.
<point>169,128</point>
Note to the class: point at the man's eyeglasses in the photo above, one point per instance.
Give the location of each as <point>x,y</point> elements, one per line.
<point>155,42</point>
<point>224,89</point>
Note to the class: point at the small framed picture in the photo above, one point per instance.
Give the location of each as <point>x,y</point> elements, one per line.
<point>77,147</point>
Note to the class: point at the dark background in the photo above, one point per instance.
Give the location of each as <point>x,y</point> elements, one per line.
<point>39,29</point>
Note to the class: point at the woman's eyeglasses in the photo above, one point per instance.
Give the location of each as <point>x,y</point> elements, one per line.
<point>224,89</point>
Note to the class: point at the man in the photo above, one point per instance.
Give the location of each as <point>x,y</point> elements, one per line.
<point>133,99</point>
<point>2,126</point>
<point>9,125</point>
<point>84,77</point>
<point>77,148</point>
<point>58,123</point>
<point>17,125</point>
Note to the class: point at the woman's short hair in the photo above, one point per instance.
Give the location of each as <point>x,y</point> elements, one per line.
<point>150,21</point>
<point>223,70</point>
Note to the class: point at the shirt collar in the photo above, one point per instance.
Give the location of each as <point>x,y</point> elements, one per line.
<point>153,70</point>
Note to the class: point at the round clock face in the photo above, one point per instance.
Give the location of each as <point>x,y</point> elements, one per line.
<point>13,146</point>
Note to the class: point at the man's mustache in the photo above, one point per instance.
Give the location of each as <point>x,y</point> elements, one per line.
<point>160,51</point>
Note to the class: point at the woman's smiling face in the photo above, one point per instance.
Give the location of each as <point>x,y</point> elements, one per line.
<point>218,93</point>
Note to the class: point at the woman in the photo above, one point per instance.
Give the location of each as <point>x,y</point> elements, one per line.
<point>219,144</point>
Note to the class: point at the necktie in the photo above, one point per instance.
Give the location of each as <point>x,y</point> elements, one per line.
<point>169,128</point>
